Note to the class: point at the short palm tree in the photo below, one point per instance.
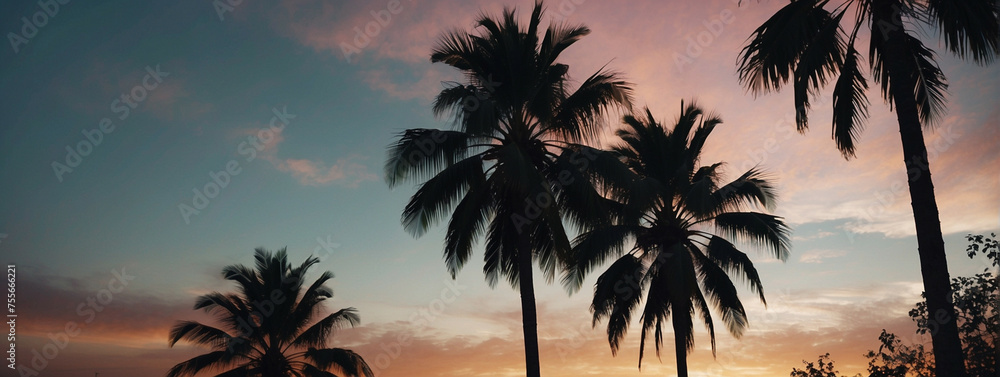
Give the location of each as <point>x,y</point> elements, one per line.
<point>266,330</point>
<point>682,221</point>
<point>509,171</point>
<point>808,44</point>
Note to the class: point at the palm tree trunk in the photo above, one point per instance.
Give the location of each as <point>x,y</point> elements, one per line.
<point>681,321</point>
<point>680,351</point>
<point>930,246</point>
<point>529,315</point>
<point>930,243</point>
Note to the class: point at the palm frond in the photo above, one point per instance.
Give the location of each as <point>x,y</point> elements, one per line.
<point>930,83</point>
<point>850,103</point>
<point>309,370</point>
<point>592,249</point>
<point>755,228</point>
<point>604,169</point>
<point>438,195</point>
<point>735,263</point>
<point>467,224</point>
<point>686,122</point>
<point>455,48</point>
<point>471,107</point>
<point>617,293</point>
<point>970,28</point>
<point>879,68</point>
<point>241,371</point>
<point>821,58</point>
<point>699,198</point>
<point>753,188</point>
<point>424,152</point>
<point>198,333</point>
<point>307,306</point>
<point>500,254</point>
<point>706,315</point>
<point>557,39</point>
<point>212,302</point>
<point>318,334</point>
<point>198,364</point>
<point>245,276</point>
<point>578,115</point>
<point>346,360</point>
<point>769,58</point>
<point>577,186</point>
<point>549,241</point>
<point>723,295</point>
<point>701,136</point>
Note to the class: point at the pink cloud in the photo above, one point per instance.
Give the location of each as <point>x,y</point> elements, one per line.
<point>425,88</point>
<point>405,35</point>
<point>346,171</point>
<point>103,83</point>
<point>315,173</point>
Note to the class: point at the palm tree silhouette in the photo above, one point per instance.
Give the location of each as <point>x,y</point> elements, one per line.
<point>508,172</point>
<point>805,42</point>
<point>266,327</point>
<point>668,209</point>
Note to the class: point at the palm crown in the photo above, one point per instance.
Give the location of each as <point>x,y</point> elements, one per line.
<point>810,45</point>
<point>266,328</point>
<point>510,170</point>
<point>517,125</point>
<point>677,266</point>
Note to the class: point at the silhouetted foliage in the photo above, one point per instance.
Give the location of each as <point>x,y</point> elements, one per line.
<point>895,359</point>
<point>989,247</point>
<point>806,45</point>
<point>683,220</point>
<point>509,172</point>
<point>267,327</point>
<point>977,304</point>
<point>811,46</point>
<point>823,367</point>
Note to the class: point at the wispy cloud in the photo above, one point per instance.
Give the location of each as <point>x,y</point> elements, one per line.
<point>315,173</point>
<point>425,87</point>
<point>347,171</point>
<point>128,316</point>
<point>796,325</point>
<point>818,235</point>
<point>819,256</point>
<point>100,82</point>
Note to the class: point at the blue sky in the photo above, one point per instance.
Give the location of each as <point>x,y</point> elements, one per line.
<point>319,182</point>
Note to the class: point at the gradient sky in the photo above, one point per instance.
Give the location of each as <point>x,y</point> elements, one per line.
<point>316,184</point>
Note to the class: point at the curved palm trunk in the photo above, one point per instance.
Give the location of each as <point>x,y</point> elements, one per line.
<point>948,354</point>
<point>529,315</point>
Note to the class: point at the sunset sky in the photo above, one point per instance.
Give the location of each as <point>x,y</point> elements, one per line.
<point>208,79</point>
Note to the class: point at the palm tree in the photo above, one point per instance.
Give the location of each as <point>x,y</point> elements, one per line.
<point>266,329</point>
<point>808,44</point>
<point>677,266</point>
<point>509,170</point>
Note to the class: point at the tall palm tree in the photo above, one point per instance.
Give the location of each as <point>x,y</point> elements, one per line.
<point>674,210</point>
<point>508,171</point>
<point>809,44</point>
<point>266,330</point>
